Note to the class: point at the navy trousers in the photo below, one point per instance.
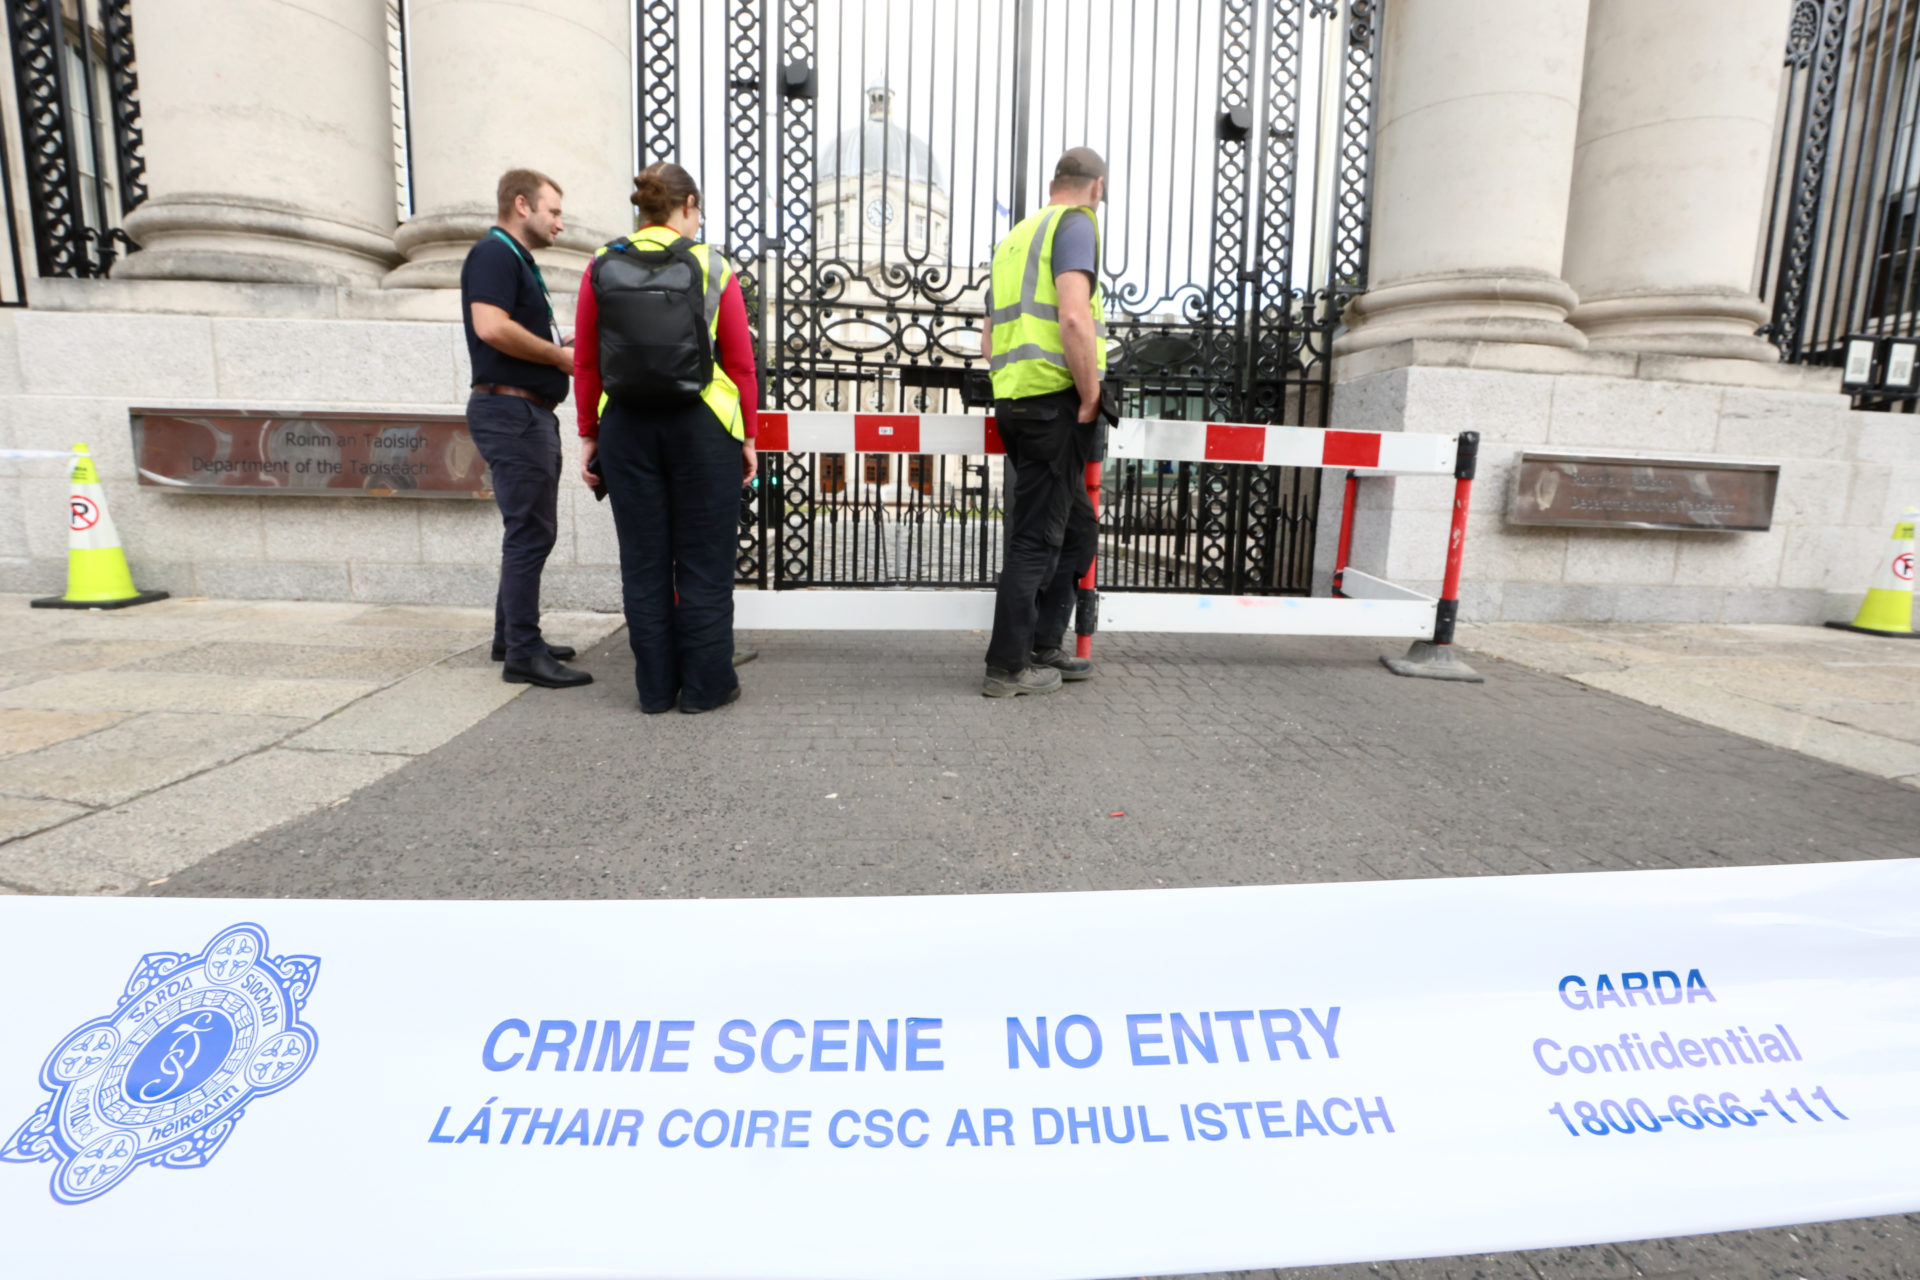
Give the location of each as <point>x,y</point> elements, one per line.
<point>673,477</point>
<point>521,443</point>
<point>1051,533</point>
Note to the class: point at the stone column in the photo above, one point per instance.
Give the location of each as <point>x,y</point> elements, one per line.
<point>1670,174</point>
<point>268,141</point>
<point>507,84</point>
<point>1479,100</point>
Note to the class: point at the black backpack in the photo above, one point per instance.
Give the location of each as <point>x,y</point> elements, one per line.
<point>655,346</point>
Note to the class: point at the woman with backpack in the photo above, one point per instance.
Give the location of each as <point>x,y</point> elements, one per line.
<point>666,391</point>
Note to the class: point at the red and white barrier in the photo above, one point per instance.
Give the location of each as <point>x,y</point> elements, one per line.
<point>1362,605</point>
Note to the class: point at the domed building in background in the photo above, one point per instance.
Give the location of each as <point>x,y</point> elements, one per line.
<point>881,209</point>
<point>879,193</point>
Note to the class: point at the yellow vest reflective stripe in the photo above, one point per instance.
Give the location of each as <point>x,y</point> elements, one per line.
<point>720,395</point>
<point>1028,357</point>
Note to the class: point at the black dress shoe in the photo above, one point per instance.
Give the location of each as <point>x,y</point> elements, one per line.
<point>733,695</point>
<point>545,672</point>
<point>560,652</point>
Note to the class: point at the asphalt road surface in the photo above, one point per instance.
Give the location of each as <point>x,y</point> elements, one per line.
<point>869,764</point>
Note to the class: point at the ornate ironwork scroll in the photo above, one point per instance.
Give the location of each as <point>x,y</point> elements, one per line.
<point>38,39</point>
<point>1809,170</point>
<point>65,244</point>
<point>116,22</point>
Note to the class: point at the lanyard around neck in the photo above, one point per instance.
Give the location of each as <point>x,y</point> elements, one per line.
<point>527,258</point>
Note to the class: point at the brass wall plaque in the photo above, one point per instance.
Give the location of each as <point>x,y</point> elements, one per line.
<point>1591,491</point>
<point>333,455</point>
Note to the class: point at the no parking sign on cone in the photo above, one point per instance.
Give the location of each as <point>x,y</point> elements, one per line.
<point>97,573</point>
<point>1888,608</point>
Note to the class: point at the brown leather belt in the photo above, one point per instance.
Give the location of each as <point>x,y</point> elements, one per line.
<point>502,389</point>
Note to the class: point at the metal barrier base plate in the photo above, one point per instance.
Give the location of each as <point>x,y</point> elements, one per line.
<point>1426,660</point>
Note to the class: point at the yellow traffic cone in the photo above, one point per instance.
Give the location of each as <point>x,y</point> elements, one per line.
<point>1888,609</point>
<point>97,574</point>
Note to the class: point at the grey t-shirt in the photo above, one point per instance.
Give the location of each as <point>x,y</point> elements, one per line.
<point>1075,247</point>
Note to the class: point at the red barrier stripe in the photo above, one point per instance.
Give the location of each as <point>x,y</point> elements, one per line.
<point>886,432</point>
<point>1227,443</point>
<point>772,436</point>
<point>1350,449</point>
<point>994,443</point>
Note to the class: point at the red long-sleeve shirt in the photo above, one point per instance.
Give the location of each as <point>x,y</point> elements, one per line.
<point>735,354</point>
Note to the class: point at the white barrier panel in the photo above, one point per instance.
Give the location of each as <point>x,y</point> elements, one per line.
<point>1161,439</point>
<point>1387,611</point>
<point>1114,1084</point>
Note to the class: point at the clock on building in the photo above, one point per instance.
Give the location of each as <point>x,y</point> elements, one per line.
<point>880,213</point>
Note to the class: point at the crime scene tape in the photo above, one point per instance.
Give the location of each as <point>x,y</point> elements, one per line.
<point>1018,1085</point>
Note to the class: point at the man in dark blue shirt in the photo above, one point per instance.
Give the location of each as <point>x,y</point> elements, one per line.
<point>521,372</point>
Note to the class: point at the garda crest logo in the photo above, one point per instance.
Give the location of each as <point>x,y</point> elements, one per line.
<point>166,1076</point>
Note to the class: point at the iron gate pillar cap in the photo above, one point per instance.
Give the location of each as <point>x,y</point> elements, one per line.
<point>1082,164</point>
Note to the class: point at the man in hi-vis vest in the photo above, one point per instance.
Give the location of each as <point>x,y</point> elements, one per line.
<point>1045,341</point>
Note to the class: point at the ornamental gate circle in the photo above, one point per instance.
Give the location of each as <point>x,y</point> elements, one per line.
<point>863,156</point>
<point>860,158</point>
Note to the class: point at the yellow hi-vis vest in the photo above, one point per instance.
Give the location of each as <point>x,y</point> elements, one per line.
<point>720,395</point>
<point>1028,357</point>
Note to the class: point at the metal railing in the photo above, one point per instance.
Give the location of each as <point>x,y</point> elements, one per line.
<point>79,116</point>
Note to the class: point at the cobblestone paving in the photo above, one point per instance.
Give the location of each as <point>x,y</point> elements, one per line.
<point>869,764</point>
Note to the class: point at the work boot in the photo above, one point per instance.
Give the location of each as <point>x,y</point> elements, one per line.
<point>544,671</point>
<point>560,652</point>
<point>1011,684</point>
<point>1069,667</point>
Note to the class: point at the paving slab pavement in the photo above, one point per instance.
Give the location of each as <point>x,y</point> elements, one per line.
<point>1836,695</point>
<point>137,742</point>
<point>869,764</point>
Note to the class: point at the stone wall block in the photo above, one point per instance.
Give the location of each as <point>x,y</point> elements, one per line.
<point>595,541</point>
<point>331,360</point>
<point>191,528</point>
<point>11,383</point>
<point>1375,402</point>
<point>1668,604</point>
<point>580,587</point>
<point>1785,424</point>
<point>60,422</point>
<point>43,516</point>
<point>1801,608</point>
<point>1831,559</point>
<point>1637,556</point>
<point>1903,491</point>
<point>1869,494</point>
<point>1513,553</point>
<point>143,358</point>
<point>1605,413</point>
<point>1557,602</point>
<point>357,529</point>
<point>377,583</point>
<point>1419,545</point>
<point>1730,559</point>
<point>13,520</point>
<point>284,581</point>
<point>1888,437</point>
<point>1812,493</point>
<point>462,533</point>
<point>1481,601</point>
<point>1508,407</point>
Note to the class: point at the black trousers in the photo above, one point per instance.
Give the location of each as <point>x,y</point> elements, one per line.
<point>673,477</point>
<point>521,443</point>
<point>1051,532</point>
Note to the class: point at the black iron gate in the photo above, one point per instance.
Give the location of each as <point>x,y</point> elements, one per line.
<point>1843,239</point>
<point>860,158</point>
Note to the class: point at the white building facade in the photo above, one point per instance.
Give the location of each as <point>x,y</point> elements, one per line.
<point>1569,203</point>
